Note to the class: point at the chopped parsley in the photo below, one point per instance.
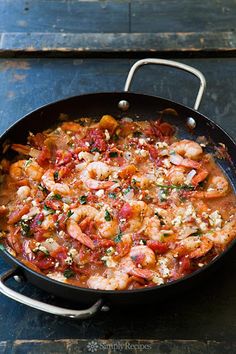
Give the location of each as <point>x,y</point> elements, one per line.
<point>118,237</point>
<point>173,186</point>
<point>107,216</point>
<point>56,175</point>
<point>127,190</point>
<point>68,273</point>
<point>113,154</point>
<point>57,196</point>
<point>28,162</point>
<point>69,213</point>
<point>41,188</point>
<point>94,149</point>
<point>25,228</point>
<point>112,195</point>
<point>83,199</point>
<point>50,210</point>
<point>137,134</point>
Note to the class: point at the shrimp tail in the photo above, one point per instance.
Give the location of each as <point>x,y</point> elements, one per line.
<point>75,232</point>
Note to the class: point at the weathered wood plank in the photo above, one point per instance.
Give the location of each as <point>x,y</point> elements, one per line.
<point>183,16</point>
<point>123,346</point>
<point>63,16</point>
<point>87,43</point>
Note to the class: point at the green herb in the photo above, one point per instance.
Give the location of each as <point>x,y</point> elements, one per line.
<point>2,248</point>
<point>137,134</point>
<point>118,237</point>
<point>45,207</point>
<point>107,216</point>
<point>173,186</point>
<point>57,196</point>
<point>115,137</point>
<point>144,242</point>
<point>197,233</point>
<point>25,228</point>
<point>127,190</point>
<point>39,222</point>
<point>28,162</point>
<point>83,199</point>
<point>56,175</point>
<point>70,213</point>
<point>162,194</point>
<point>112,195</point>
<point>68,273</point>
<point>94,149</point>
<point>113,154</point>
<point>134,181</point>
<point>41,188</point>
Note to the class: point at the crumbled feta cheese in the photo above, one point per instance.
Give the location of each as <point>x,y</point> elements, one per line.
<point>142,141</point>
<point>177,221</point>
<point>100,193</point>
<point>107,135</point>
<point>57,276</point>
<point>110,263</point>
<point>163,268</point>
<point>215,219</point>
<point>161,144</point>
<point>157,280</point>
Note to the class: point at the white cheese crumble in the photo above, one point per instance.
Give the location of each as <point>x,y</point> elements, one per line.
<point>100,193</point>
<point>215,219</point>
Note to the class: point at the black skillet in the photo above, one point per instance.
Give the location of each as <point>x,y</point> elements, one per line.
<point>189,122</point>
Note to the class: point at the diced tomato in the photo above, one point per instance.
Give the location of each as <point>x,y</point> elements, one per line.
<point>62,221</point>
<point>14,240</point>
<point>44,156</point>
<point>17,214</point>
<point>104,243</point>
<point>126,211</point>
<point>64,171</point>
<point>157,246</point>
<point>54,204</point>
<point>97,139</point>
<point>36,222</point>
<point>44,263</point>
<point>37,140</point>
<point>63,157</point>
<point>184,266</point>
<point>153,152</point>
<point>166,129</point>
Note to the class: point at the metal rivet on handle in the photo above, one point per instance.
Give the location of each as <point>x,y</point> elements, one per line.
<point>105,308</point>
<point>191,123</point>
<point>123,105</point>
<point>18,279</point>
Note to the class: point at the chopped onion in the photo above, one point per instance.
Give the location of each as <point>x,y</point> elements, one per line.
<point>190,176</point>
<point>176,159</point>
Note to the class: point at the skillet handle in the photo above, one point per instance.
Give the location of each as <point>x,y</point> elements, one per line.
<point>174,64</point>
<point>55,310</point>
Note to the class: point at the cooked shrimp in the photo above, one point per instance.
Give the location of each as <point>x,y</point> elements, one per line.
<point>144,254</point>
<point>23,192</point>
<point>139,256</point>
<point>187,148</point>
<point>75,232</point>
<point>152,228</point>
<point>82,212</point>
<point>217,188</point>
<point>52,186</point>
<point>111,280</point>
<point>139,211</point>
<point>225,235</point>
<point>95,174</point>
<point>176,175</point>
<point>16,170</point>
<point>196,247</point>
<point>33,170</point>
<point>200,176</point>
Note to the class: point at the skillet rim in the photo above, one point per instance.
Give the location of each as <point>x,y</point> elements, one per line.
<point>117,292</point>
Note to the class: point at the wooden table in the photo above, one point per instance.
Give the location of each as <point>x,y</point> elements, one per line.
<point>54,49</point>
